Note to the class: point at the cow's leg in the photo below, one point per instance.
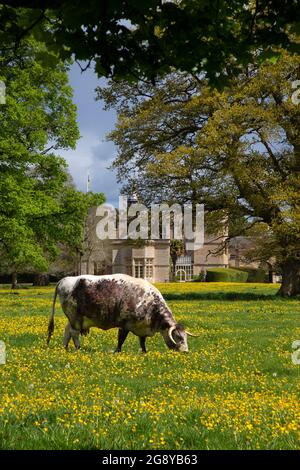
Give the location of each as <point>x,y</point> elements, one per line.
<point>75,337</point>
<point>67,335</point>
<point>143,343</point>
<point>122,335</point>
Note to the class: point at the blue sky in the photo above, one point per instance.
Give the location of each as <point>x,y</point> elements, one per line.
<point>93,154</point>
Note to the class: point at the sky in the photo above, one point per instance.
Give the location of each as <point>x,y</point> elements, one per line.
<point>93,154</point>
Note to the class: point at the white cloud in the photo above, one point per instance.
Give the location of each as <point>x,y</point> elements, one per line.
<point>93,154</point>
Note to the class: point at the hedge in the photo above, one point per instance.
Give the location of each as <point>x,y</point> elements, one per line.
<point>225,275</point>
<point>256,274</point>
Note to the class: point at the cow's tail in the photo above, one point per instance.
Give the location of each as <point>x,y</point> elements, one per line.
<point>51,319</point>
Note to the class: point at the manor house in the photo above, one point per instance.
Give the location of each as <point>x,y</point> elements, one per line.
<point>148,259</point>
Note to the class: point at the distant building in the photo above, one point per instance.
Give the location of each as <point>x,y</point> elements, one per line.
<point>238,249</point>
<point>148,259</point>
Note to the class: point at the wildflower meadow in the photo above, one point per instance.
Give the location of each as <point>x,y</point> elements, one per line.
<point>237,388</point>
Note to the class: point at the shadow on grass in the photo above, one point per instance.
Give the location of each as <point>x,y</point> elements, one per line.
<point>220,296</point>
<point>26,339</point>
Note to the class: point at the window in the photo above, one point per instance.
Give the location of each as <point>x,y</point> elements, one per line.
<point>138,267</point>
<point>149,268</point>
<point>143,268</point>
<point>99,268</point>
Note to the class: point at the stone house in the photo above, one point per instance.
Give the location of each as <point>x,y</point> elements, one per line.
<point>149,260</point>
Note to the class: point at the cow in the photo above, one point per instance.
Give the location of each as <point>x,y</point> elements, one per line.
<point>116,301</point>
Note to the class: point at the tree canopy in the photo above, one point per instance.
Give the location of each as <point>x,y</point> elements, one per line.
<point>236,150</point>
<point>136,39</point>
<point>39,206</point>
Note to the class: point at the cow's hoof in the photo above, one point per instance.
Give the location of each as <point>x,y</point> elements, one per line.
<point>117,351</point>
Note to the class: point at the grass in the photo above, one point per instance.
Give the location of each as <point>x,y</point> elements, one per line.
<point>236,389</point>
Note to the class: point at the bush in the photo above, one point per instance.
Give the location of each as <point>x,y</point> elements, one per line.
<point>225,275</point>
<point>199,278</point>
<point>256,275</point>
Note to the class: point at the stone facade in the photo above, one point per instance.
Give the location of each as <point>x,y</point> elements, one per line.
<point>149,260</point>
<point>238,249</point>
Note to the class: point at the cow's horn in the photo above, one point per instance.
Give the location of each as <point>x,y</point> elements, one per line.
<point>191,334</point>
<point>170,331</point>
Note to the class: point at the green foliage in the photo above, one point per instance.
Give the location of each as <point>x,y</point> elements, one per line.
<point>225,275</point>
<point>256,275</point>
<point>177,249</point>
<point>199,278</point>
<point>39,206</point>
<point>138,39</point>
<point>236,151</point>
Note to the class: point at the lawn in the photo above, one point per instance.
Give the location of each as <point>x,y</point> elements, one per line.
<point>237,388</point>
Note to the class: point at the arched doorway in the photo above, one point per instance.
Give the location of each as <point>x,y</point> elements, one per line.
<point>184,268</point>
<point>181,274</point>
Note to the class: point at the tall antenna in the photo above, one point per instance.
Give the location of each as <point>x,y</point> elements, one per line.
<point>88,183</point>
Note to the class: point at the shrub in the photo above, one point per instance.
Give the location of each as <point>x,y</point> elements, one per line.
<point>199,277</point>
<point>226,275</point>
<point>256,275</point>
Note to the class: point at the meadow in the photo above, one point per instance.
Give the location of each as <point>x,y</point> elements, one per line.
<point>237,388</point>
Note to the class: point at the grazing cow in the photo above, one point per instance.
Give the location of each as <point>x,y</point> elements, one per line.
<point>116,301</point>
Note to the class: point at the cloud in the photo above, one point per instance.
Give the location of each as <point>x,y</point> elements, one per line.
<point>93,154</point>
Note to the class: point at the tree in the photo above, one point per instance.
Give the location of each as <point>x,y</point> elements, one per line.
<point>94,248</point>
<point>257,249</point>
<point>66,264</point>
<point>39,206</point>
<point>176,250</point>
<point>143,39</point>
<point>236,150</point>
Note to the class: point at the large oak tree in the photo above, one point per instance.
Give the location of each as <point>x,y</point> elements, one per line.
<point>39,206</point>
<point>237,151</point>
<point>145,38</point>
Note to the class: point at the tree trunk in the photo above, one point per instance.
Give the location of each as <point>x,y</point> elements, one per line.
<point>271,273</point>
<point>14,280</point>
<point>290,285</point>
<point>173,268</point>
<point>41,280</point>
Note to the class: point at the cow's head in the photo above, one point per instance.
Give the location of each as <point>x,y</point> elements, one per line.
<point>176,338</point>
